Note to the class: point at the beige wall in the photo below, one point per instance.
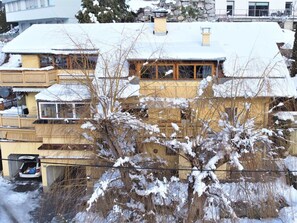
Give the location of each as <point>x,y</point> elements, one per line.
<point>31,104</point>
<point>169,89</point>
<point>30,61</point>
<point>8,148</point>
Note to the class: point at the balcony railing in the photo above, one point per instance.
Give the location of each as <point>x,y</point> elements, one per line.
<point>221,13</point>
<point>28,78</point>
<point>16,121</point>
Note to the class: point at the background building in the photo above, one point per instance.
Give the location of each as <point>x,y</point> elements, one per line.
<point>28,12</point>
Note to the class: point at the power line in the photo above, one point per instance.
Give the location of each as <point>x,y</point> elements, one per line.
<point>161,168</point>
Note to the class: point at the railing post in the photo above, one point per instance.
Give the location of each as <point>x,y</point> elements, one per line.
<point>47,77</point>
<point>23,76</point>
<point>19,121</point>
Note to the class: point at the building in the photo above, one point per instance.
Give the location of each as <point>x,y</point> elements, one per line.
<point>171,65</point>
<point>29,12</point>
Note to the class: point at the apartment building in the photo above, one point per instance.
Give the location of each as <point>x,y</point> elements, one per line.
<point>28,12</point>
<point>243,8</point>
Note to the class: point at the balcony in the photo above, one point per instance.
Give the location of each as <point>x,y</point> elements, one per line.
<point>27,78</point>
<point>18,128</point>
<point>17,122</point>
<point>58,131</point>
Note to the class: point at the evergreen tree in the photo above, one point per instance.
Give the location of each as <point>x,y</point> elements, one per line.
<point>4,25</point>
<point>294,57</point>
<point>104,11</point>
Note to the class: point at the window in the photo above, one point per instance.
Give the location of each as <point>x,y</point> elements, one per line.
<point>61,62</point>
<point>83,61</point>
<point>82,111</point>
<point>288,8</point>
<point>46,60</point>
<point>178,70</point>
<point>65,111</point>
<point>186,71</point>
<point>258,8</point>
<point>165,72</point>
<point>43,3</point>
<point>148,72</point>
<point>230,7</point>
<point>203,71</point>
<point>48,111</point>
<point>31,4</point>
<point>75,61</point>
<point>52,110</point>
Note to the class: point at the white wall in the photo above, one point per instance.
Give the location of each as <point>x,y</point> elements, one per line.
<point>242,6</point>
<point>57,9</point>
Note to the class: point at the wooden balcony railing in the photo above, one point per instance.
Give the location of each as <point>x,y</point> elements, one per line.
<point>28,78</point>
<point>17,121</point>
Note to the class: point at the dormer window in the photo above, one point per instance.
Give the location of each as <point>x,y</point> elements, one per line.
<point>177,70</point>
<point>74,61</point>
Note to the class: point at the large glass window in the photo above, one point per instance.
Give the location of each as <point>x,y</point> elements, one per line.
<point>148,72</point>
<point>186,71</point>
<point>258,8</point>
<point>180,70</point>
<point>165,72</point>
<point>46,60</point>
<point>52,110</point>
<point>61,62</point>
<point>82,110</point>
<point>48,111</point>
<point>65,111</point>
<point>203,71</point>
<point>83,61</point>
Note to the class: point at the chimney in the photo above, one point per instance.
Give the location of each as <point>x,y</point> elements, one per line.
<point>160,23</point>
<point>205,31</point>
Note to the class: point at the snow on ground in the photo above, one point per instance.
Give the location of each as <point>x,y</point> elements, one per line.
<point>291,164</point>
<point>16,206</point>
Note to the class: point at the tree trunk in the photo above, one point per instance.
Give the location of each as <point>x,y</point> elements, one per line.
<point>195,210</point>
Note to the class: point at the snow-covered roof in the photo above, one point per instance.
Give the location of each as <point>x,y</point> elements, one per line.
<point>64,92</point>
<point>239,43</point>
<point>248,49</point>
<point>252,87</point>
<point>121,88</point>
<point>289,37</point>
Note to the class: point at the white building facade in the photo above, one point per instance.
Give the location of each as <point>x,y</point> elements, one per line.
<point>28,12</point>
<point>255,8</point>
